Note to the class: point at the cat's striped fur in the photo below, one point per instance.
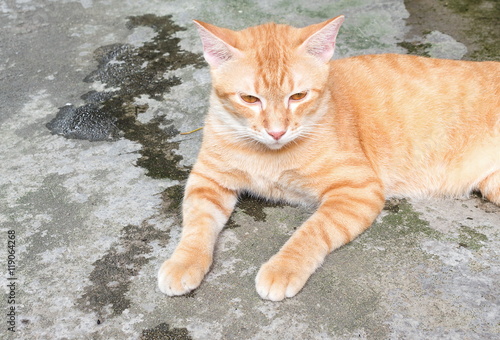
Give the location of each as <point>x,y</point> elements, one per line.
<point>286,123</point>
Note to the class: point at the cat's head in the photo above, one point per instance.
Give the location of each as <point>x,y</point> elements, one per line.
<point>267,80</point>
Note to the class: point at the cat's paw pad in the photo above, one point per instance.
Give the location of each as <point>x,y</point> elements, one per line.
<point>275,281</point>
<point>178,278</point>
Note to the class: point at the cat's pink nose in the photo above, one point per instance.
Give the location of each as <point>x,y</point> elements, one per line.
<point>276,134</point>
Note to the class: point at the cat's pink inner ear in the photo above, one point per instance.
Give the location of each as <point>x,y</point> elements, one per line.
<point>321,43</point>
<point>215,50</point>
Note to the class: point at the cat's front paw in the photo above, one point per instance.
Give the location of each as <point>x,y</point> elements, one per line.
<point>278,279</point>
<point>180,277</point>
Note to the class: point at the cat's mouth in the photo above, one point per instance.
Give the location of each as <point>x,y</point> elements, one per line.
<point>278,144</point>
<point>275,145</point>
<point>276,141</point>
<point>271,141</point>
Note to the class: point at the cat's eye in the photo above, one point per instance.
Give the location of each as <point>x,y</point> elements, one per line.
<point>249,99</point>
<point>298,96</point>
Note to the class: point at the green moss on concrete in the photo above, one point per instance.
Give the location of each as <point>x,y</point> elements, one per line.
<point>415,48</point>
<point>403,223</point>
<point>471,238</point>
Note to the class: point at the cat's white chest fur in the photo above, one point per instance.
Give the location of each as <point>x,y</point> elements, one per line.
<point>276,182</point>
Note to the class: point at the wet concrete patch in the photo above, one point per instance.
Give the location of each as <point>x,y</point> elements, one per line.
<point>106,296</point>
<point>252,206</point>
<point>128,72</point>
<point>172,198</point>
<point>85,122</point>
<point>255,206</point>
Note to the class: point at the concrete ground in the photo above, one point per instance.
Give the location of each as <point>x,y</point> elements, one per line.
<point>93,96</point>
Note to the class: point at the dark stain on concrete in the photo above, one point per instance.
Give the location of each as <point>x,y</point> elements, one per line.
<point>111,275</point>
<point>172,200</point>
<point>129,72</point>
<point>392,204</point>
<point>467,21</point>
<point>164,332</point>
<point>254,206</point>
<point>231,224</point>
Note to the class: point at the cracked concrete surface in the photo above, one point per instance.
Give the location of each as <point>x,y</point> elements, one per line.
<point>93,220</point>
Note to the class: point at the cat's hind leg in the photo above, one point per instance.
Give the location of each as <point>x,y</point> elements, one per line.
<point>490,187</point>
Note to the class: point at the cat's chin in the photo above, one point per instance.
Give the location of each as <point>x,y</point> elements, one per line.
<point>275,146</point>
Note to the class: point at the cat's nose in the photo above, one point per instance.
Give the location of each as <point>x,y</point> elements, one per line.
<point>276,134</point>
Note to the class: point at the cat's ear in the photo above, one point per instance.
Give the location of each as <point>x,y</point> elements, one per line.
<point>217,47</point>
<point>320,38</point>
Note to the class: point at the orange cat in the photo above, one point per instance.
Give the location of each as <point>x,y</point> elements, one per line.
<point>288,124</point>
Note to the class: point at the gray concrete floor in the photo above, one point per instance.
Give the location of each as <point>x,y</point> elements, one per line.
<point>94,207</point>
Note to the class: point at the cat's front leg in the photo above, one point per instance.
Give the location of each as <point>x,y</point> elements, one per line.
<point>206,208</point>
<point>343,215</point>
